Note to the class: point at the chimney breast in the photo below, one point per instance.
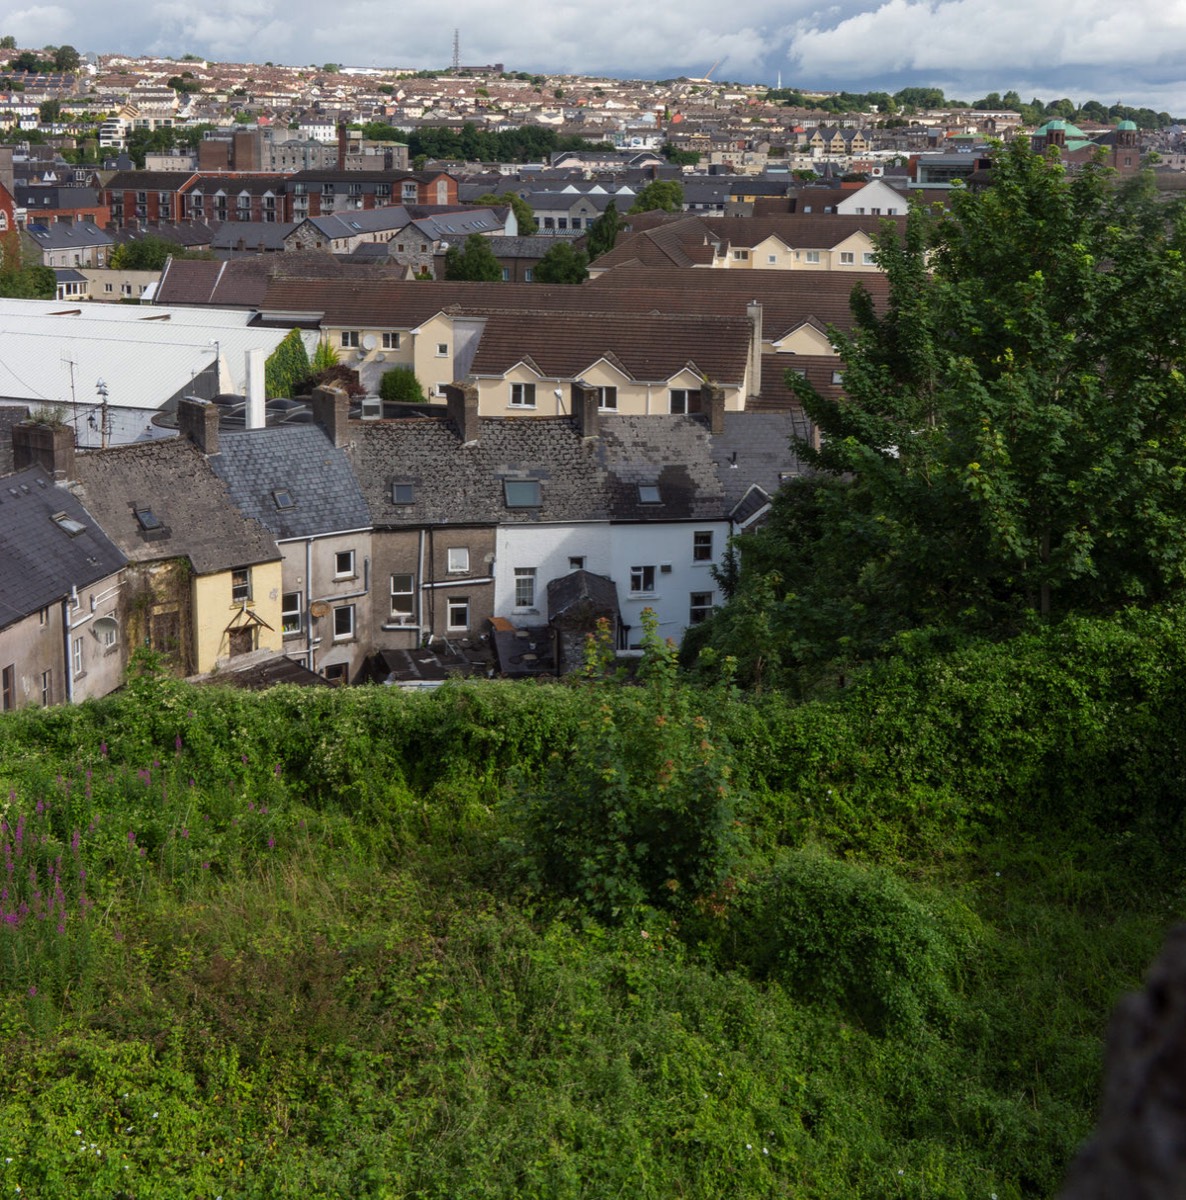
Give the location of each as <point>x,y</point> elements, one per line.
<point>462,406</point>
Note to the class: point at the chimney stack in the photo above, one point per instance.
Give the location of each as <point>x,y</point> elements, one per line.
<point>256,412</point>
<point>712,402</point>
<point>50,447</point>
<point>584,409</point>
<point>462,407</point>
<point>341,144</point>
<point>197,420</point>
<point>754,312</point>
<point>331,410</point>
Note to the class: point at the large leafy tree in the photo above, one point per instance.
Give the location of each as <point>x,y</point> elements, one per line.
<point>603,233</point>
<point>562,264</point>
<point>1010,444</point>
<point>524,215</point>
<point>475,260</point>
<point>665,194</point>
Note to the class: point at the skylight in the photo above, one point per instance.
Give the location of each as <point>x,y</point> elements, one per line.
<point>148,519</point>
<point>283,498</point>
<point>68,524</point>
<point>522,493</point>
<point>648,493</point>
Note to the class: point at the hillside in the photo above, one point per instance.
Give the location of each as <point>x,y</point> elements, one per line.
<point>546,941</point>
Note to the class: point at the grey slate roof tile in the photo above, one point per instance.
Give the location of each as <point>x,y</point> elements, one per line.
<point>40,561</point>
<point>255,464</point>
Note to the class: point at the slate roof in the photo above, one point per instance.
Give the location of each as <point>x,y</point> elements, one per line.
<point>175,481</point>
<point>77,235</point>
<point>251,237</point>
<point>40,561</point>
<point>257,464</point>
<point>755,448</point>
<point>462,484</point>
<point>579,593</point>
<point>672,452</point>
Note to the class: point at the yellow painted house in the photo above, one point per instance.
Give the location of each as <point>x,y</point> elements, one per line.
<point>203,583</point>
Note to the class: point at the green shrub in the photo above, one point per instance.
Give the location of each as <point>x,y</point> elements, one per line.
<point>400,386</point>
<point>852,937</point>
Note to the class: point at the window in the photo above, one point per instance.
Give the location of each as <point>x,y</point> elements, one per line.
<point>241,585</point>
<point>344,564</point>
<point>607,399</point>
<point>403,592</point>
<point>528,275</point>
<point>701,607</point>
<point>282,498</point>
<point>576,562</point>
<point>403,493</point>
<point>458,612</point>
<point>772,258</point>
<point>522,395</point>
<point>522,493</point>
<point>524,587</point>
<point>702,545</point>
<point>107,632</point>
<point>648,493</point>
<point>77,657</point>
<point>391,341</point>
<point>847,258</point>
<point>442,349</point>
<point>350,338</point>
<point>343,622</point>
<point>685,400</point>
<point>458,557</point>
<point>147,519</point>
<point>811,256</point>
<point>43,617</point>
<point>642,579</point>
<point>869,259</point>
<point>8,688</point>
<point>741,255</point>
<point>837,376</point>
<point>290,613</point>
<point>47,688</point>
<point>338,674</point>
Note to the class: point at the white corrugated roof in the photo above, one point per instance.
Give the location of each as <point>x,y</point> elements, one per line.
<point>144,353</point>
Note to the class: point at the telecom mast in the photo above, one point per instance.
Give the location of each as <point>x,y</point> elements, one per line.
<point>456,51</point>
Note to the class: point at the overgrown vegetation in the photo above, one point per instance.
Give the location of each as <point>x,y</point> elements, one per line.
<point>365,944</point>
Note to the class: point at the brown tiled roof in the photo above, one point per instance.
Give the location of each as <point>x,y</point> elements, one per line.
<point>564,345</point>
<point>776,396</point>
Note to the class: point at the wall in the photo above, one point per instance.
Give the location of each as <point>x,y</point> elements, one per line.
<point>213,610</point>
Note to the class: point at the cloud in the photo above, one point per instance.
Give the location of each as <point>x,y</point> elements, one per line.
<point>42,25</point>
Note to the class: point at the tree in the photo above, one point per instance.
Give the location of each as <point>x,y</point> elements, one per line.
<point>287,366</point>
<point>665,194</point>
<point>21,278</point>
<point>147,254</point>
<point>1008,447</point>
<point>66,59</point>
<point>562,264</point>
<point>603,233</point>
<point>524,215</point>
<point>8,42</point>
<point>400,386</point>
<point>475,261</point>
<point>49,111</point>
<point>325,357</point>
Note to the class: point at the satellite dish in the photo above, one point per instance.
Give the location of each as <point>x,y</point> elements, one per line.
<point>368,342</point>
<point>319,609</point>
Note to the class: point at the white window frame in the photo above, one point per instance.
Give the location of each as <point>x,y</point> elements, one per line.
<point>525,587</point>
<point>702,540</point>
<point>391,341</point>
<point>607,398</point>
<point>287,627</point>
<point>642,581</point>
<point>350,339</point>
<point>401,613</point>
<point>457,606</point>
<point>848,258</point>
<point>344,623</point>
<point>442,349</point>
<point>241,585</point>
<point>700,607</point>
<point>869,258</point>
<point>811,256</point>
<point>457,558</point>
<point>522,395</point>
<point>77,657</point>
<point>344,564</point>
<point>688,402</point>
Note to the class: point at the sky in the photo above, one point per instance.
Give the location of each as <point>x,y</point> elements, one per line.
<point>1098,50</point>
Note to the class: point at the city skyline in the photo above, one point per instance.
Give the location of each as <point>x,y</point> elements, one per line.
<point>965,47</point>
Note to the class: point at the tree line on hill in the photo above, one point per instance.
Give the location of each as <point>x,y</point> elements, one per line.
<point>911,100</point>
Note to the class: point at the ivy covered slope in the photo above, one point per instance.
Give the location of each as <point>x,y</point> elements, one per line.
<point>587,941</point>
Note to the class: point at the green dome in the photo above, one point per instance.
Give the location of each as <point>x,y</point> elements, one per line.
<point>1127,125</point>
